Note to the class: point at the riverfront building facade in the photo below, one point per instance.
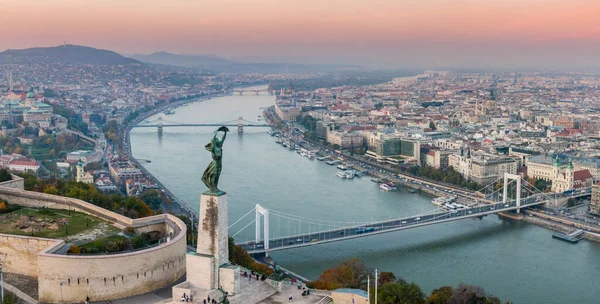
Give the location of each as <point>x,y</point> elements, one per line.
<point>482,169</point>
<point>595,202</point>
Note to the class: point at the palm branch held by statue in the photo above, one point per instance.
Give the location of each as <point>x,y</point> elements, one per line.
<point>212,173</point>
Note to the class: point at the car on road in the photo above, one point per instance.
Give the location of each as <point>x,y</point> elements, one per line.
<point>417,219</point>
<point>314,240</point>
<point>403,222</point>
<point>299,240</point>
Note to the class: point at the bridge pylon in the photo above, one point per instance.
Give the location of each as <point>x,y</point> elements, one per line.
<point>516,178</point>
<point>240,125</point>
<point>264,213</point>
<point>159,125</point>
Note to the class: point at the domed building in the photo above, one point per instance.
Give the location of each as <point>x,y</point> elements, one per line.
<point>30,99</point>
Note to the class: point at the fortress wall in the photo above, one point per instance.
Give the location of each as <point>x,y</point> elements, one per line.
<point>19,254</point>
<point>70,278</point>
<point>17,182</point>
<point>107,277</point>
<point>38,200</point>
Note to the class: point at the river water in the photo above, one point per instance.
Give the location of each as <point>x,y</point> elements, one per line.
<point>514,260</point>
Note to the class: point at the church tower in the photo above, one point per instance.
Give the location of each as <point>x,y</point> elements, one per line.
<point>82,176</point>
<point>80,171</point>
<point>570,175</point>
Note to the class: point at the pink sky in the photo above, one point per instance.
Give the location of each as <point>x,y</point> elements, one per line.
<point>396,32</point>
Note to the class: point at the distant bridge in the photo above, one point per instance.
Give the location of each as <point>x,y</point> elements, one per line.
<point>240,123</point>
<point>241,91</point>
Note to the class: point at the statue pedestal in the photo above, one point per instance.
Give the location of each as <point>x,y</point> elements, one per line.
<point>212,228</point>
<point>209,268</point>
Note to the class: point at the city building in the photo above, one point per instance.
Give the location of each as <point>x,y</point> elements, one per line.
<point>287,111</point>
<point>122,170</point>
<point>24,165</point>
<point>595,202</point>
<point>387,145</point>
<point>81,175</point>
<point>344,140</point>
<point>544,167</point>
<point>85,156</point>
<point>437,158</point>
<point>481,168</point>
<point>561,173</point>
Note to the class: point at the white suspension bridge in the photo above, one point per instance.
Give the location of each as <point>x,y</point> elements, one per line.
<point>298,231</point>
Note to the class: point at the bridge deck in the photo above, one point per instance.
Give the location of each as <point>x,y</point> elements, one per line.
<point>334,235</point>
<point>201,125</point>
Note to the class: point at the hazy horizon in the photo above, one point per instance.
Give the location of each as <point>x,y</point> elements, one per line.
<point>376,34</point>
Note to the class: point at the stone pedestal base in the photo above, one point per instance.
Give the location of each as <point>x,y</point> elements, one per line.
<point>229,279</point>
<point>213,228</point>
<point>208,269</point>
<point>201,271</point>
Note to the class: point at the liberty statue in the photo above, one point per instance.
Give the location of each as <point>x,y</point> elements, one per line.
<point>211,175</point>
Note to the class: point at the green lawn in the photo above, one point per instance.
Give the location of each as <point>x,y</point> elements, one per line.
<point>100,244</point>
<point>50,223</point>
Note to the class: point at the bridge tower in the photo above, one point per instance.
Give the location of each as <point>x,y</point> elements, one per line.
<point>159,125</point>
<point>260,211</point>
<point>240,125</point>
<point>241,92</point>
<point>517,178</point>
<point>257,92</point>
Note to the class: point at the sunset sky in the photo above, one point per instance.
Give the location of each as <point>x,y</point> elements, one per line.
<point>377,33</point>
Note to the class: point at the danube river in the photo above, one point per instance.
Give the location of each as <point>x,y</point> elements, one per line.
<point>514,260</point>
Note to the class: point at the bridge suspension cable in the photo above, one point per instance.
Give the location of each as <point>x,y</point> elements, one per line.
<point>311,220</point>
<point>244,228</point>
<point>241,218</point>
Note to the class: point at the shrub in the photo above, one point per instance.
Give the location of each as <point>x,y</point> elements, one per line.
<point>4,175</point>
<point>7,208</point>
<point>115,246</point>
<point>75,249</point>
<point>261,268</point>
<point>138,242</point>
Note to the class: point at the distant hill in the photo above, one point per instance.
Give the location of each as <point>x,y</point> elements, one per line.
<point>219,64</point>
<point>71,54</point>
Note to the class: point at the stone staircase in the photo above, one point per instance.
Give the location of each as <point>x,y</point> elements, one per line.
<point>326,300</point>
<point>253,293</point>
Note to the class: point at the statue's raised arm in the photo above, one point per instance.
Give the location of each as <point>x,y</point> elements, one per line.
<point>223,129</point>
<point>212,173</point>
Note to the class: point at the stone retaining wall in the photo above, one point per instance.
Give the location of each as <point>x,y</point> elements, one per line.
<point>71,278</point>
<point>39,200</point>
<point>17,182</point>
<point>19,254</point>
<point>107,277</point>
